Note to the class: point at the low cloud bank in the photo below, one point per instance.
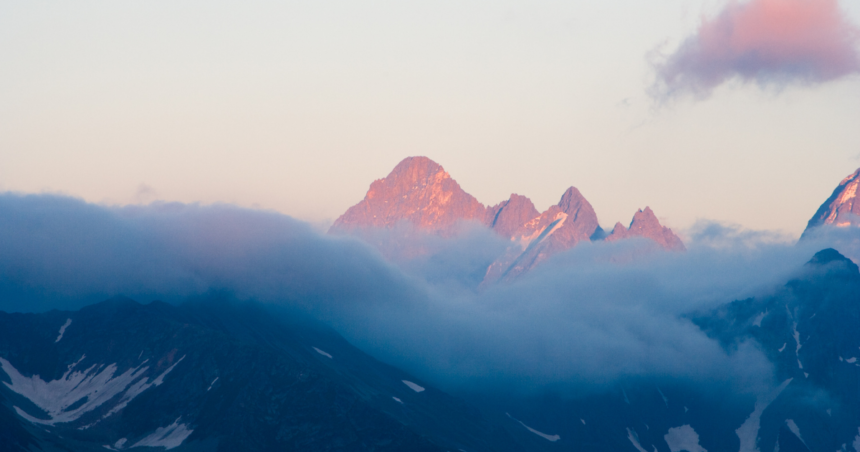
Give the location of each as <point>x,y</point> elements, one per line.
<point>769,42</point>
<point>63,253</point>
<point>591,316</point>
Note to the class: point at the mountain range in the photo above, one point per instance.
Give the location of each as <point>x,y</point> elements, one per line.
<point>420,193</point>
<point>217,374</point>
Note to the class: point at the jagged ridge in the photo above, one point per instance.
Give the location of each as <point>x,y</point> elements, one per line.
<point>418,191</point>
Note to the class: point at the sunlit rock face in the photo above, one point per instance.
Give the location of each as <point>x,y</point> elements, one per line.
<point>418,191</point>
<point>840,209</point>
<point>645,224</point>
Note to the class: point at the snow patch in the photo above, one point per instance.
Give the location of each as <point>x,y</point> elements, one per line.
<point>796,335</point>
<point>683,438</point>
<point>322,353</point>
<point>397,400</point>
<point>212,384</point>
<point>856,442</point>
<point>413,386</point>
<point>63,330</point>
<point>748,431</point>
<point>550,438</point>
<point>794,429</point>
<point>168,437</point>
<point>121,442</point>
<point>851,360</point>
<point>86,390</point>
<point>583,421</point>
<point>634,439</point>
<point>759,318</point>
<point>783,347</point>
<point>665,400</point>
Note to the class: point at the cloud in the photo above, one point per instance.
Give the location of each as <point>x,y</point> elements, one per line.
<point>769,42</point>
<point>61,252</point>
<point>582,320</point>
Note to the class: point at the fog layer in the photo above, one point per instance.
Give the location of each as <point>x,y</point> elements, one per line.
<point>586,318</point>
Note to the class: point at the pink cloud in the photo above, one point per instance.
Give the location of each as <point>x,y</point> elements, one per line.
<point>765,41</point>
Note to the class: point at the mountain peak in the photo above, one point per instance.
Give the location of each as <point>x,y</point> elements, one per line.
<point>840,209</point>
<point>831,256</point>
<point>508,216</point>
<point>418,191</point>
<point>645,224</point>
<point>418,169</point>
<point>571,201</point>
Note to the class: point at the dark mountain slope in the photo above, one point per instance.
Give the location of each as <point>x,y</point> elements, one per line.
<point>809,331</point>
<point>214,376</point>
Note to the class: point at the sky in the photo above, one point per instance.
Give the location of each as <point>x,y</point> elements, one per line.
<point>740,112</point>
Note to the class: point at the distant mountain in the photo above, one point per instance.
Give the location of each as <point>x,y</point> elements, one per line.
<point>840,209</point>
<point>420,193</point>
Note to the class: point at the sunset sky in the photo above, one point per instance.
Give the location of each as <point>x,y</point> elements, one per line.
<point>740,112</point>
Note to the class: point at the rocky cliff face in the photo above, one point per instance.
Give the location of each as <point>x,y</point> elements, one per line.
<point>840,209</point>
<point>645,224</point>
<point>421,194</point>
<point>559,228</point>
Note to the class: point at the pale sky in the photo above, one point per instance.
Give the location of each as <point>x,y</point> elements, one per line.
<point>299,106</point>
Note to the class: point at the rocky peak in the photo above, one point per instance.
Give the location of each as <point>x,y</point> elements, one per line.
<point>832,258</point>
<point>418,191</point>
<point>840,209</point>
<point>572,201</point>
<point>645,224</point>
<point>618,231</point>
<point>581,223</point>
<point>508,216</point>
